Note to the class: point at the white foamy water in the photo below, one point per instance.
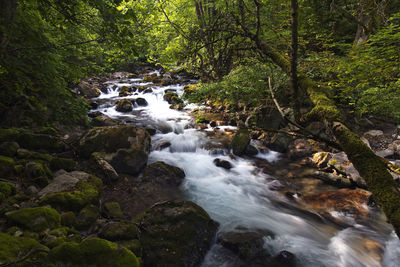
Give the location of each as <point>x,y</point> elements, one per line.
<point>240,197</point>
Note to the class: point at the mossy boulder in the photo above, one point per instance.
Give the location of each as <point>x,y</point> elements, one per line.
<point>12,248</point>
<point>172,98</point>
<point>86,217</point>
<point>72,191</point>
<point>188,90</point>
<point>280,142</point>
<point>9,135</point>
<point>44,142</point>
<point>175,233</point>
<point>58,163</point>
<point>36,219</point>
<point>92,252</point>
<point>6,166</point>
<point>161,173</point>
<point>151,78</point>
<point>38,173</point>
<point>88,90</point>
<point>110,139</point>
<point>124,105</point>
<point>129,161</point>
<point>6,190</point>
<point>126,90</point>
<point>68,219</point>
<point>123,230</point>
<point>9,149</point>
<point>103,120</point>
<point>26,154</point>
<point>112,210</point>
<point>240,142</point>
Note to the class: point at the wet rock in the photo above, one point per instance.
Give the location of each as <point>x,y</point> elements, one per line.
<point>71,191</point>
<point>9,149</point>
<point>251,151</point>
<point>36,219</point>
<point>170,91</point>
<point>126,91</point>
<point>280,142</point>
<point>284,259</point>
<point>152,131</point>
<point>164,127</point>
<point>103,120</point>
<point>141,102</point>
<point>163,145</point>
<point>161,173</point>
<point>300,148</point>
<point>129,161</point>
<point>93,104</point>
<point>240,142</point>
<point>123,230</point>
<point>92,251</point>
<point>151,78</point>
<point>178,232</point>
<point>172,98</point>
<point>110,139</point>
<point>94,114</point>
<point>108,172</point>
<point>124,105</point>
<point>148,91</point>
<point>223,164</point>
<point>88,90</point>
<point>218,151</point>
<point>188,90</point>
<point>275,185</point>
<point>374,133</point>
<point>321,159</point>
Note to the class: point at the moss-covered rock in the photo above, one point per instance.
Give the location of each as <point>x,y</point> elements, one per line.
<point>93,251</point>
<point>57,163</point>
<point>151,78</point>
<point>6,190</point>
<point>110,139</point>
<point>133,245</point>
<point>124,105</point>
<point>86,217</point>
<point>188,90</point>
<point>240,142</point>
<point>172,98</point>
<point>36,219</point>
<point>35,141</point>
<point>123,230</point>
<point>38,173</point>
<point>26,154</point>
<point>68,219</point>
<point>112,210</point>
<point>129,161</point>
<point>161,173</point>
<point>9,149</point>
<point>175,233</point>
<point>72,191</point>
<point>103,120</point>
<point>12,248</point>
<point>125,91</point>
<point>6,166</point>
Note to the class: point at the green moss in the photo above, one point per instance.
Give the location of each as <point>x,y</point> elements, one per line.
<point>18,169</point>
<point>133,245</point>
<point>40,142</point>
<point>86,217</point>
<point>68,218</point>
<point>124,230</point>
<point>8,134</point>
<point>6,166</point>
<point>26,154</point>
<point>6,190</point>
<point>9,149</point>
<point>36,219</point>
<point>93,251</point>
<point>12,248</point>
<point>86,192</point>
<point>240,141</point>
<point>57,163</point>
<point>112,210</point>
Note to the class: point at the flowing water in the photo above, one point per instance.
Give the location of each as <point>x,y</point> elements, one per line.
<point>239,198</point>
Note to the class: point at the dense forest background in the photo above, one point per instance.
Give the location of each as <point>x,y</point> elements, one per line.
<point>349,47</point>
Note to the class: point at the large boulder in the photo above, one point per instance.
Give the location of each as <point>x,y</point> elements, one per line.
<point>92,252</point>
<point>129,161</point>
<point>240,142</point>
<point>161,173</point>
<point>280,142</point>
<point>103,120</point>
<point>123,230</point>
<point>36,219</point>
<point>172,98</point>
<point>175,233</point>
<point>71,191</point>
<point>6,166</point>
<point>110,139</point>
<point>88,90</point>
<point>124,105</point>
<point>107,172</point>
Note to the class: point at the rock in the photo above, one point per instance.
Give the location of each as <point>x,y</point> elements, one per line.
<point>321,159</point>
<point>300,148</point>
<point>151,78</point>
<point>351,202</point>
<point>141,102</point>
<point>172,98</point>
<point>285,259</point>
<point>163,145</point>
<point>46,142</point>
<point>148,91</point>
<point>222,163</point>
<point>32,190</point>
<point>93,114</point>
<point>341,163</point>
<point>71,191</point>
<point>108,172</point>
<point>112,210</point>
<point>280,142</point>
<point>12,247</point>
<point>152,131</point>
<point>249,246</point>
<point>123,230</point>
<point>86,217</point>
<point>125,91</point>
<point>251,151</point>
<point>129,161</point>
<point>92,252</point>
<point>161,173</point>
<point>68,219</point>
<point>124,105</point>
<point>6,190</point>
<point>178,232</point>
<point>240,142</point>
<point>6,166</point>
<point>103,120</point>
<point>36,219</point>
<point>9,149</point>
<point>110,139</point>
<point>188,90</point>
<point>38,173</point>
<point>170,91</point>
<point>58,163</point>
<point>374,133</point>
<point>386,153</point>
<point>88,90</point>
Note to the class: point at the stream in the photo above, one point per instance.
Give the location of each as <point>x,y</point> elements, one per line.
<point>240,198</point>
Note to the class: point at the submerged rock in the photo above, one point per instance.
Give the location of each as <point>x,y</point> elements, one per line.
<point>175,233</point>
<point>222,163</point>
<point>141,101</point>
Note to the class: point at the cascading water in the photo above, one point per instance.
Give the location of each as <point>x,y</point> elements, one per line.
<point>239,198</point>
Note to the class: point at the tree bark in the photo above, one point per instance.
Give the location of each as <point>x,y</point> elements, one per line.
<point>293,60</point>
